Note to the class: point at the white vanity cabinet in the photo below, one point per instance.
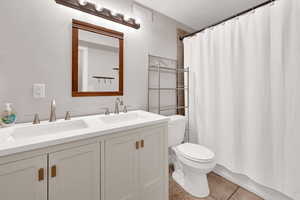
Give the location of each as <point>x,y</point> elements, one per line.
<point>121,168</point>
<point>75,174</point>
<point>136,166</point>
<point>131,164</point>
<point>24,179</point>
<point>153,165</point>
<point>72,174</point>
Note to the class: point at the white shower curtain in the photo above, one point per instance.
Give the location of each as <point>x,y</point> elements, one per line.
<point>245,94</point>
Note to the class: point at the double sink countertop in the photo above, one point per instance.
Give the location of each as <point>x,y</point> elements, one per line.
<point>27,137</point>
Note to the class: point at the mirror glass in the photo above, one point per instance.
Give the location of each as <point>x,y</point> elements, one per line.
<point>98,62</point>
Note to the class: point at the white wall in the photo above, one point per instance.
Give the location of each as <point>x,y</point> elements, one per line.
<point>35,47</point>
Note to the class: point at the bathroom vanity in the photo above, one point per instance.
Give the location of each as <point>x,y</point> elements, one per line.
<point>115,157</point>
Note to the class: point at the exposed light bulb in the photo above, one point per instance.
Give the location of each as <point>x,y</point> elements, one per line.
<point>114,13</point>
<point>138,21</point>
<point>99,7</point>
<point>127,18</point>
<point>82,2</point>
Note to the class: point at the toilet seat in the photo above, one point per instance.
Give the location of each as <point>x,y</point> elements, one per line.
<point>196,153</point>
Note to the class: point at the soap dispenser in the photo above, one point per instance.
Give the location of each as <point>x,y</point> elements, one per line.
<point>8,117</point>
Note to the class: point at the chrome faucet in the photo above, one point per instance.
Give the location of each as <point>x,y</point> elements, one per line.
<point>118,103</point>
<point>36,119</point>
<point>52,112</point>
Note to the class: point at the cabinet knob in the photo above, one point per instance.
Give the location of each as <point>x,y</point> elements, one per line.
<point>41,174</point>
<point>137,145</point>
<point>53,171</point>
<point>142,143</point>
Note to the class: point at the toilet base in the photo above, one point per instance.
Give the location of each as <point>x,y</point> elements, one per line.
<point>178,177</point>
<point>197,185</point>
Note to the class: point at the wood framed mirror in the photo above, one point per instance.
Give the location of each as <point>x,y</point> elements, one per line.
<point>97,60</point>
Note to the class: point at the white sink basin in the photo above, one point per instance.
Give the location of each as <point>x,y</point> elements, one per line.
<point>121,118</point>
<point>4,138</point>
<point>47,129</point>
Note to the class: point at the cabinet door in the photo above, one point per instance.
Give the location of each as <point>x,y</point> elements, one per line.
<point>75,174</point>
<point>24,179</point>
<point>121,172</point>
<point>153,165</point>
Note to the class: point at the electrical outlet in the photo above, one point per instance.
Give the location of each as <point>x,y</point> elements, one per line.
<point>39,91</point>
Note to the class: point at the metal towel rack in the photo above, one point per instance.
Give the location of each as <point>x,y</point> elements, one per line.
<point>159,68</point>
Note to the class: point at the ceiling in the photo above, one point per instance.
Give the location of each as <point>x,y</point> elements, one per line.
<point>198,14</point>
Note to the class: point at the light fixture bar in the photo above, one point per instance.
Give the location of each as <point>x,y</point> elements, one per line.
<point>98,10</point>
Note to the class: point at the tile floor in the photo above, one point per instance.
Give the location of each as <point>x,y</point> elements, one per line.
<point>220,189</point>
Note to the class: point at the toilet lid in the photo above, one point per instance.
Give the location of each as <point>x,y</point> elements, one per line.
<point>196,152</point>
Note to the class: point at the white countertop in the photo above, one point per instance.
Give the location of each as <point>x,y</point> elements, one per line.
<point>95,127</point>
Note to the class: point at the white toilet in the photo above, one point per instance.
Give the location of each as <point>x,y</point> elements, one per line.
<point>192,161</point>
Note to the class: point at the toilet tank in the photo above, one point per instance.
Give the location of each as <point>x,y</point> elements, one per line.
<point>176,129</point>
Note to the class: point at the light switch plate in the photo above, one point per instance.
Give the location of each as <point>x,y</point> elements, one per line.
<point>39,91</point>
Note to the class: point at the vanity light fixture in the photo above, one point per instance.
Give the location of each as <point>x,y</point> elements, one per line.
<point>99,10</point>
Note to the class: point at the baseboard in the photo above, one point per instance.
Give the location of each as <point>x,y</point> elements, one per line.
<point>245,182</point>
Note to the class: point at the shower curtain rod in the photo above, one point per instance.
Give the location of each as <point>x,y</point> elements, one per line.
<point>229,18</point>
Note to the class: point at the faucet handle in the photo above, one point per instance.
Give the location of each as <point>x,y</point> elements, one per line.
<point>125,110</point>
<point>107,112</point>
<point>120,101</point>
<point>68,115</point>
<point>36,119</point>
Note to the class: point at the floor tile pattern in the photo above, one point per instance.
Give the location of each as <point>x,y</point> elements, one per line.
<point>220,189</point>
